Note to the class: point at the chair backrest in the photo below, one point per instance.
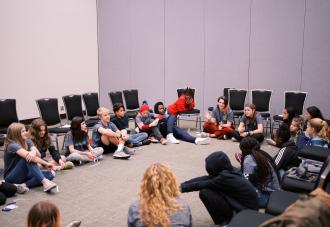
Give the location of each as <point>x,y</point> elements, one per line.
<point>116,97</point>
<point>181,90</point>
<point>8,112</point>
<point>48,109</point>
<point>91,101</point>
<point>295,99</point>
<point>131,99</point>
<point>236,98</point>
<point>325,174</point>
<point>261,99</point>
<point>73,106</point>
<point>225,91</point>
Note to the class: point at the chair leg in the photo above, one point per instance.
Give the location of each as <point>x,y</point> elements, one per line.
<point>56,139</point>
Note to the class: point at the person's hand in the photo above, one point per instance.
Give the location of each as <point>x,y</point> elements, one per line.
<point>30,156</point>
<point>188,101</point>
<point>125,137</point>
<point>61,163</point>
<point>220,126</point>
<point>49,166</point>
<point>238,157</point>
<point>90,155</point>
<point>244,134</point>
<point>154,123</point>
<point>207,115</point>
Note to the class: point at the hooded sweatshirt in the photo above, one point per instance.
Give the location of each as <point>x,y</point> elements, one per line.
<point>226,180</point>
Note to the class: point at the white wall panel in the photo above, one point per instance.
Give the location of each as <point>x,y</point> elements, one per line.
<point>184,48</point>
<point>316,67</point>
<point>276,47</point>
<point>114,47</point>
<point>147,54</point>
<point>227,29</point>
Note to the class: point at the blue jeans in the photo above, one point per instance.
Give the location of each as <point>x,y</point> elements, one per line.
<point>263,198</point>
<point>182,134</point>
<point>178,133</point>
<point>28,173</point>
<point>137,138</point>
<point>171,121</point>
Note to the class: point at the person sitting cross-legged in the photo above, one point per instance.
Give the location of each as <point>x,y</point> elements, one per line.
<point>109,137</point>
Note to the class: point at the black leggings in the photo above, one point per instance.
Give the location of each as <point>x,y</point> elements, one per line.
<point>258,136</point>
<point>219,209</point>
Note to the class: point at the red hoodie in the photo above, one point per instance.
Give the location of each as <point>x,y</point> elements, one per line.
<point>180,106</point>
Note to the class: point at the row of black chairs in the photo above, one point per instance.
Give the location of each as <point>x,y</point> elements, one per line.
<point>261,99</point>
<point>49,112</point>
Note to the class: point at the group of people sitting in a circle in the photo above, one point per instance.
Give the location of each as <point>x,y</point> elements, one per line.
<point>27,165</point>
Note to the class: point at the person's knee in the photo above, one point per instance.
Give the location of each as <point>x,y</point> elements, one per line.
<point>203,194</point>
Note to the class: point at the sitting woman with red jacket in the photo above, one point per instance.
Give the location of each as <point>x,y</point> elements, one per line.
<point>183,103</point>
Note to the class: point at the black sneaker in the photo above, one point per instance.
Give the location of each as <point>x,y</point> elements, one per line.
<point>146,142</point>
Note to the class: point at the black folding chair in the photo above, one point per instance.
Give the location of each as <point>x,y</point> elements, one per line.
<point>48,110</point>
<point>189,113</point>
<point>132,102</point>
<point>295,99</point>
<point>261,99</point>
<point>73,108</point>
<point>249,218</point>
<point>225,93</point>
<point>116,97</point>
<point>8,114</point>
<point>236,101</point>
<point>280,200</point>
<point>91,101</point>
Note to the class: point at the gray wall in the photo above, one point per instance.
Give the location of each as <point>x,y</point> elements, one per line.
<point>157,46</point>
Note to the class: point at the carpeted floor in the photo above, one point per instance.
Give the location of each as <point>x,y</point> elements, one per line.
<point>100,194</point>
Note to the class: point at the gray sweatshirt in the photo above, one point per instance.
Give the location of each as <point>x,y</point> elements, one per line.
<point>182,218</point>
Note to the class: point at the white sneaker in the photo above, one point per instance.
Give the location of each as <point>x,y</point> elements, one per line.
<point>120,147</point>
<point>171,139</point>
<point>225,137</point>
<point>121,155</point>
<point>234,139</point>
<point>202,141</point>
<point>129,151</point>
<point>49,186</point>
<point>21,188</point>
<point>202,134</point>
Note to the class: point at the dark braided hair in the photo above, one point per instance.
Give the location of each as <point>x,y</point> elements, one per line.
<point>250,146</point>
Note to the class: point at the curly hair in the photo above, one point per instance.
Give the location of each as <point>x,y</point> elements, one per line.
<point>41,143</point>
<point>158,190</point>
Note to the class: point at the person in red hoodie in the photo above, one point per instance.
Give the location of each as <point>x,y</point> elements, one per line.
<point>183,103</point>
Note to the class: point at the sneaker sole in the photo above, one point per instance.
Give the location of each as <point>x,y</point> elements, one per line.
<point>50,188</point>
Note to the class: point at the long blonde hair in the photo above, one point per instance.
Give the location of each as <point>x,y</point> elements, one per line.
<point>158,190</point>
<point>14,135</point>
